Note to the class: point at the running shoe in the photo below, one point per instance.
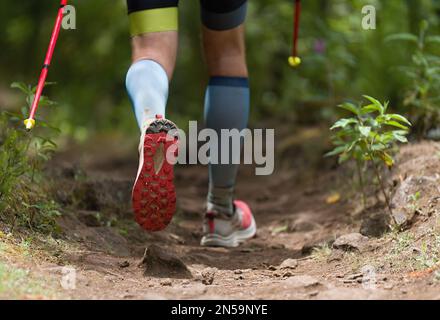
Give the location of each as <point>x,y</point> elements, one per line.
<point>221,230</point>
<point>154,196</point>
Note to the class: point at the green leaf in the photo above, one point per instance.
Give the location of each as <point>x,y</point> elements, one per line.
<point>343,123</point>
<point>399,135</point>
<point>353,145</point>
<point>386,158</point>
<point>402,37</point>
<point>344,157</point>
<point>370,109</point>
<point>21,86</point>
<point>336,151</point>
<point>433,39</point>
<point>44,124</point>
<point>44,101</point>
<point>365,131</point>
<point>400,118</point>
<point>350,107</point>
<point>401,132</point>
<point>376,103</point>
<point>378,146</point>
<point>400,138</point>
<point>396,124</point>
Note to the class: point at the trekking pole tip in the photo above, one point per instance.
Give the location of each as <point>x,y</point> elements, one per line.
<point>294,61</point>
<point>29,123</point>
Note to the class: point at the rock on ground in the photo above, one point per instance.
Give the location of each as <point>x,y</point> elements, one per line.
<point>289,264</point>
<point>352,242</point>
<point>161,264</point>
<point>405,201</point>
<point>303,281</point>
<point>208,275</point>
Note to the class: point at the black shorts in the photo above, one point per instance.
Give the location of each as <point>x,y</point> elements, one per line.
<point>215,14</point>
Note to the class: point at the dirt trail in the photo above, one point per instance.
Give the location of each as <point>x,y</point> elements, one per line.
<point>294,255</point>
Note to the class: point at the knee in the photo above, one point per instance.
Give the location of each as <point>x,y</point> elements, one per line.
<point>225,52</point>
<point>223,36</point>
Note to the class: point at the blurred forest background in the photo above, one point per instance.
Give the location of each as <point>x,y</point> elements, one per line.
<point>340,60</point>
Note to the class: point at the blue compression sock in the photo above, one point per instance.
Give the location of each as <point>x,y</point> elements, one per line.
<point>147,85</point>
<point>226,107</point>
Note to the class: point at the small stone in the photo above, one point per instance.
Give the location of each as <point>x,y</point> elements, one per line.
<point>303,281</point>
<point>304,223</point>
<point>400,218</point>
<point>272,268</point>
<point>348,281</point>
<point>289,264</point>
<point>238,272</point>
<point>313,293</point>
<point>166,283</point>
<point>278,246</point>
<point>124,264</point>
<point>208,276</point>
<point>388,286</point>
<point>177,239</point>
<point>355,276</point>
<point>351,242</point>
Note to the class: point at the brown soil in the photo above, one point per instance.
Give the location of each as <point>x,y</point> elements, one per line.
<point>300,212</point>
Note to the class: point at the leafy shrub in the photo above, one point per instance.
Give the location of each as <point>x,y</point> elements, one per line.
<point>23,200</point>
<point>369,137</point>
<point>423,96</point>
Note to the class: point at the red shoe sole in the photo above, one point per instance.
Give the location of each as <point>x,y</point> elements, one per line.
<point>154,196</point>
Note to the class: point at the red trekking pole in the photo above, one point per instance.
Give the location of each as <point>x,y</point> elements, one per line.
<point>294,59</point>
<point>30,122</point>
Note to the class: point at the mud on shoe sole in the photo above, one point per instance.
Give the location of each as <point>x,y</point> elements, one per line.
<point>154,196</point>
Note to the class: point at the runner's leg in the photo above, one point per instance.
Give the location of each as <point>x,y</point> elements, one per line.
<point>227,95</point>
<point>154,39</point>
<point>153,27</point>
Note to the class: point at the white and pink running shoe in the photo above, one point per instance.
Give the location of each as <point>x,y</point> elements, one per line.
<point>223,231</point>
<point>154,196</point>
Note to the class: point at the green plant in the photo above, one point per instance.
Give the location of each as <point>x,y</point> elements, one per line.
<point>322,252</point>
<point>423,95</point>
<point>23,155</point>
<point>414,201</point>
<point>16,283</point>
<point>369,137</point>
<point>429,256</point>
